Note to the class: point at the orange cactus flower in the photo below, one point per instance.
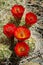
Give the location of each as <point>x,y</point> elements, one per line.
<point>22,33</point>
<point>8,30</point>
<point>30,18</point>
<point>21,49</point>
<point>17,11</point>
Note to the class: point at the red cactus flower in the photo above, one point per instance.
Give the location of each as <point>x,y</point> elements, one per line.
<point>8,30</point>
<point>21,49</point>
<point>22,33</point>
<point>30,18</point>
<point>17,11</point>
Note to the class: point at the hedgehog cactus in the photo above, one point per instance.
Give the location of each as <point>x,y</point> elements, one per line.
<point>21,33</point>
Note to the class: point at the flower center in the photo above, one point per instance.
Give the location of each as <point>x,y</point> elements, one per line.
<point>22,49</point>
<point>22,34</point>
<point>17,10</point>
<point>8,29</point>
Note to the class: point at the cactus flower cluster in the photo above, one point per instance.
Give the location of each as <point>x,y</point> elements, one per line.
<point>21,33</point>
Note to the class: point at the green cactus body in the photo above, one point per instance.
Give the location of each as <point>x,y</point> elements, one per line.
<point>31,43</point>
<point>4,51</point>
